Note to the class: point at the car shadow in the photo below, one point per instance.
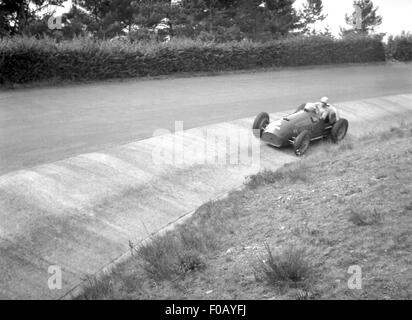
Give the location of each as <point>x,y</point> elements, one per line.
<point>314,147</point>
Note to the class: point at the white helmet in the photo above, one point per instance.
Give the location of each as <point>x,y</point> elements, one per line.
<point>324,100</point>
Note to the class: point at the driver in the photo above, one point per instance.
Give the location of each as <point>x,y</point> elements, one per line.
<point>324,110</point>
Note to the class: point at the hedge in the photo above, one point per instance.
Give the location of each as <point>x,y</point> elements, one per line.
<point>400,47</point>
<point>24,60</point>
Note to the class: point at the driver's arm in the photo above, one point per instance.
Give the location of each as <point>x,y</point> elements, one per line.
<point>333,114</point>
<point>324,114</point>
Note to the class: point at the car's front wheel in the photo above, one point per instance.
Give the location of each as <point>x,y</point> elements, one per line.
<point>339,130</point>
<point>261,122</point>
<point>301,143</point>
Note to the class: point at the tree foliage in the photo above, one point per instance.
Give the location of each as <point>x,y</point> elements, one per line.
<point>17,15</point>
<point>220,20</point>
<point>311,13</point>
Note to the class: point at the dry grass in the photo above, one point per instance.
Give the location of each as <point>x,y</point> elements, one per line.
<point>347,144</point>
<point>290,173</point>
<point>96,288</point>
<point>396,132</point>
<point>290,268</point>
<point>160,257</point>
<point>184,249</point>
<point>362,219</point>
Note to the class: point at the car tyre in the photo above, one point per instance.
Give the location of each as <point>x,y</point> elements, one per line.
<point>301,143</point>
<point>261,122</point>
<point>339,130</point>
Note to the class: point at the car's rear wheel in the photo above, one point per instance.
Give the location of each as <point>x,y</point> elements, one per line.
<point>301,143</point>
<point>339,130</point>
<point>261,122</point>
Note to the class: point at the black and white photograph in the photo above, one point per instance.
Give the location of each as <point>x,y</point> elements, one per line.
<point>206,154</point>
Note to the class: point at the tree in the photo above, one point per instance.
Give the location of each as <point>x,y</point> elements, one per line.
<point>108,18</point>
<point>79,22</point>
<point>280,17</point>
<point>192,17</point>
<point>96,8</point>
<point>365,21</point>
<point>16,15</point>
<point>312,12</point>
<point>276,18</point>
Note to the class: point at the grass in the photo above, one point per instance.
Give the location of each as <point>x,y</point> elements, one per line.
<point>347,144</point>
<point>184,249</point>
<point>400,132</point>
<point>290,173</point>
<point>347,204</point>
<point>96,287</point>
<point>173,255</point>
<point>404,129</point>
<point>362,219</point>
<point>290,268</point>
<point>160,257</point>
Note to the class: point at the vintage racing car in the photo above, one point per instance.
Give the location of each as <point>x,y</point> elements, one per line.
<point>298,130</point>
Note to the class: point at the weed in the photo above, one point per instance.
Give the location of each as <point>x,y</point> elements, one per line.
<point>264,177</point>
<point>95,288</point>
<point>198,238</point>
<point>290,268</point>
<point>297,171</point>
<point>189,261</point>
<point>159,256</point>
<point>346,145</point>
<point>361,219</point>
<point>182,250</point>
<point>294,172</point>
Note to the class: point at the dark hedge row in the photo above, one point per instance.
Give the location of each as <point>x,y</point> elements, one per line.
<point>26,60</point>
<point>400,47</point>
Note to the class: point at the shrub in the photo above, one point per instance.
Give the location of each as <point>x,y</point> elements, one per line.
<point>166,257</point>
<point>346,145</point>
<point>362,219</point>
<point>24,60</point>
<point>264,177</point>
<point>182,250</point>
<point>292,172</point>
<point>290,268</point>
<point>400,47</point>
<point>95,288</point>
<point>200,238</point>
<point>190,260</point>
<point>160,256</point>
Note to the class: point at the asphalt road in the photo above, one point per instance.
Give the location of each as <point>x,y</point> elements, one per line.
<point>49,124</point>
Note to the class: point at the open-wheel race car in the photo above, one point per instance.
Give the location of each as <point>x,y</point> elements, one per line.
<point>298,129</point>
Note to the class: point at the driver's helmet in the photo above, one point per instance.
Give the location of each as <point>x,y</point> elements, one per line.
<point>324,100</point>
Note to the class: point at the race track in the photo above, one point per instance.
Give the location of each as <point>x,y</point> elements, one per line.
<point>44,125</point>
<point>78,182</point>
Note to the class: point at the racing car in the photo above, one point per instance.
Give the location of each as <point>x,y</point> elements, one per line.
<point>298,129</point>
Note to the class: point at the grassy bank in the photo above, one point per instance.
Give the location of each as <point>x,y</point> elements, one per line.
<point>289,234</point>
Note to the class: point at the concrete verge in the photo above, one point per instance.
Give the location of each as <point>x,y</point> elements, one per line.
<point>80,213</point>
